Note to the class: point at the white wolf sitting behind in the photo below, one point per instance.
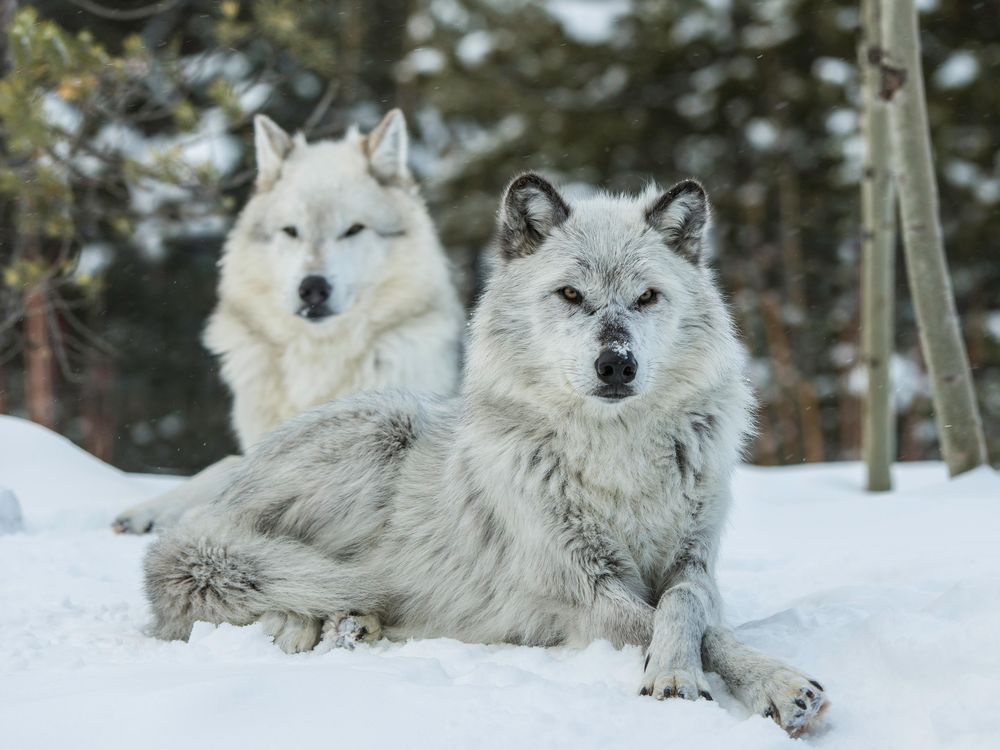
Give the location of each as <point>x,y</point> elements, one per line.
<point>576,489</point>
<point>333,281</point>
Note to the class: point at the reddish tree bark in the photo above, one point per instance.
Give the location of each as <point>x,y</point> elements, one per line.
<point>38,380</point>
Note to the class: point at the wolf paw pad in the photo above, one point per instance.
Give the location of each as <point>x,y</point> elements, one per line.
<point>687,685</point>
<point>134,521</point>
<point>348,630</point>
<point>292,633</point>
<point>792,700</point>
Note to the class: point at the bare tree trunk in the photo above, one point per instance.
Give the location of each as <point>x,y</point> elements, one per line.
<point>960,428</point>
<point>406,86</point>
<point>785,375</point>
<point>848,403</point>
<point>878,236</point>
<point>764,446</point>
<point>790,213</point>
<point>912,446</point>
<point>38,384</point>
<point>7,10</point>
<point>351,41</point>
<point>7,234</point>
<point>99,435</point>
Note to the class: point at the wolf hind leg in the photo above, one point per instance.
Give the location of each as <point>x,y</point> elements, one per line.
<point>763,684</point>
<point>348,629</point>
<point>222,572</point>
<point>166,510</point>
<point>292,633</point>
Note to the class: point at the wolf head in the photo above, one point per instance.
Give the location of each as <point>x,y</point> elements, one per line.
<point>322,222</point>
<point>605,304</point>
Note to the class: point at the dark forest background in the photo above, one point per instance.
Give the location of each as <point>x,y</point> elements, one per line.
<point>127,149</point>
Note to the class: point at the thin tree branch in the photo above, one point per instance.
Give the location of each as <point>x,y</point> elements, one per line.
<point>131,14</point>
<point>321,107</point>
<point>97,342</point>
<point>58,345</point>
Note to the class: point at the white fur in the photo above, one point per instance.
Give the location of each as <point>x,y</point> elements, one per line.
<point>397,320</point>
<point>543,506</point>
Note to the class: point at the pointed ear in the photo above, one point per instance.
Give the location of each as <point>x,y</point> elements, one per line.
<point>387,148</point>
<point>272,144</point>
<point>531,208</point>
<point>681,216</point>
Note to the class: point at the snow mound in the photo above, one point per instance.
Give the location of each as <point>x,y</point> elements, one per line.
<point>10,512</point>
<point>892,601</point>
<point>60,485</point>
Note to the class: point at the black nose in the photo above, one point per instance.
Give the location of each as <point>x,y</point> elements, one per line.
<point>314,290</point>
<point>615,368</point>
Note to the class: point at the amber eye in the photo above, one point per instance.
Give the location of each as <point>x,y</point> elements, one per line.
<point>354,229</point>
<point>647,297</point>
<point>290,231</point>
<point>571,295</point>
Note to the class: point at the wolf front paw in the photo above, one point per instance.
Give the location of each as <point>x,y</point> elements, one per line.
<point>792,699</point>
<point>345,630</point>
<point>136,520</point>
<point>292,633</point>
<point>677,683</point>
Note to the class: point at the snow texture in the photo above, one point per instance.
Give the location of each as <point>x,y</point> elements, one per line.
<point>473,48</point>
<point>958,71</point>
<point>833,70</point>
<point>10,512</point>
<point>761,134</point>
<point>589,21</point>
<point>993,324</point>
<point>892,601</point>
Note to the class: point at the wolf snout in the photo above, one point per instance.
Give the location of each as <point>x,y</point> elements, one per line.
<point>616,366</point>
<point>314,290</point>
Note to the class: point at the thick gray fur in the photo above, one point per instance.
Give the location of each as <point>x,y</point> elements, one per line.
<point>528,510</point>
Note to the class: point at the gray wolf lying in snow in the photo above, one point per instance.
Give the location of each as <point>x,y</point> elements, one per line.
<point>333,281</point>
<point>575,490</point>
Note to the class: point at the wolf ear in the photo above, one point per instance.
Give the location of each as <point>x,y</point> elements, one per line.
<point>681,216</point>
<point>530,209</point>
<point>272,144</point>
<point>387,146</point>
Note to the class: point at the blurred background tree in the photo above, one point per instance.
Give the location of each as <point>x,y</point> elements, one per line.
<point>126,141</point>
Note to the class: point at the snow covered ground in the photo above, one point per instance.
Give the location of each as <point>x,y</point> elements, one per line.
<point>893,602</point>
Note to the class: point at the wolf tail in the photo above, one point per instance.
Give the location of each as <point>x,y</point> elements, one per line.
<point>232,574</point>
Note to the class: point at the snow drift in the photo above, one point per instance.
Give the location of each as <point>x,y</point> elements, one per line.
<point>892,601</point>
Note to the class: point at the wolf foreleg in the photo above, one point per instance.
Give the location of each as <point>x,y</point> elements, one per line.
<point>764,685</point>
<point>620,617</point>
<point>608,587</point>
<point>673,665</point>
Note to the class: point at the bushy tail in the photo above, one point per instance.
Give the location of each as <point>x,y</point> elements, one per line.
<point>230,574</point>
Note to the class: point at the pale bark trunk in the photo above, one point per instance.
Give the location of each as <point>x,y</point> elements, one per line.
<point>878,212</point>
<point>959,425</point>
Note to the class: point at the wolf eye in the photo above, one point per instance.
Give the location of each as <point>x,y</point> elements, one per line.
<point>290,231</point>
<point>571,295</point>
<point>354,229</point>
<point>647,297</point>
